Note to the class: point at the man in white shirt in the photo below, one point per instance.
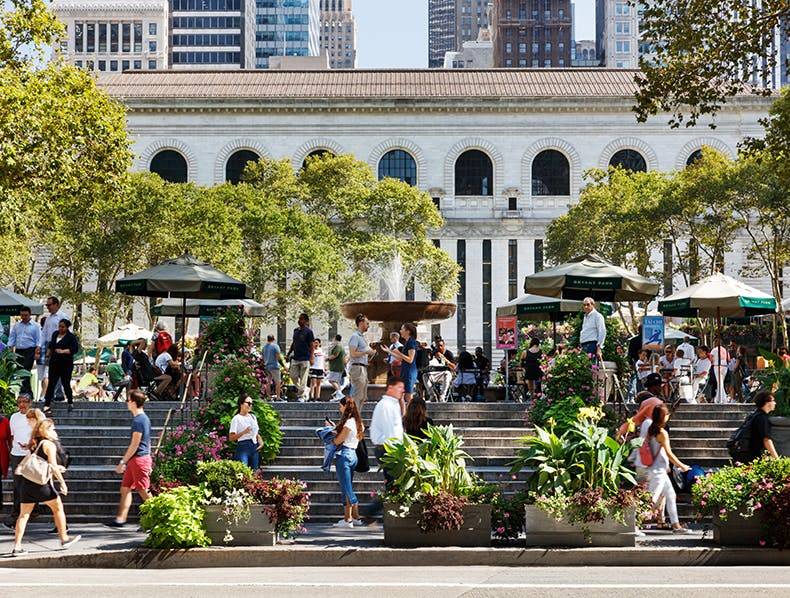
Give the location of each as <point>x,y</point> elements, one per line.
<point>20,439</point>
<point>55,315</point>
<point>359,352</point>
<point>688,349</point>
<point>387,422</point>
<point>593,333</point>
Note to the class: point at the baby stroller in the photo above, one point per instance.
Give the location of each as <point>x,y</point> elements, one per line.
<point>145,375</point>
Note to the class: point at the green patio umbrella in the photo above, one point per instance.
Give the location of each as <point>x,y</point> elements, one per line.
<point>11,303</point>
<point>591,276</point>
<point>184,278</point>
<point>718,296</point>
<point>208,307</point>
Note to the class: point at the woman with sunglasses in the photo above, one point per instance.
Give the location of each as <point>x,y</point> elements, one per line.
<point>349,431</point>
<point>244,432</point>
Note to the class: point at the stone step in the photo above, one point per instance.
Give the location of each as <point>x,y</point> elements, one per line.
<point>700,432</point>
<point>682,416</point>
<point>703,423</point>
<point>105,422</point>
<point>467,432</point>
<point>317,459</point>
<point>113,406</point>
<point>318,451</point>
<point>76,431</point>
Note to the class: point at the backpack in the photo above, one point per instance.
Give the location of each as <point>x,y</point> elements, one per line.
<point>646,455</point>
<point>738,444</point>
<point>63,457</point>
<point>422,358</point>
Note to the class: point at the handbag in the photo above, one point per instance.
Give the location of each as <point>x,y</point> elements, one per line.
<point>363,463</point>
<point>35,468</point>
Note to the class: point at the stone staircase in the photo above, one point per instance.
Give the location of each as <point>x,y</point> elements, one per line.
<point>490,431</point>
<point>96,435</point>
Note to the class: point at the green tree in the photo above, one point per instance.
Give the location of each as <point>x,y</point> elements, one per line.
<point>705,52</point>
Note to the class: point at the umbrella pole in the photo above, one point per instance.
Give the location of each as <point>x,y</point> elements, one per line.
<point>183,329</point>
<point>554,333</point>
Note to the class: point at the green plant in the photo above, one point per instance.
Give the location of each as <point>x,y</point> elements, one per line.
<point>564,412</point>
<point>11,376</point>
<point>181,448</point>
<point>758,489</point>
<point>442,512</point>
<point>286,502</point>
<point>436,463</point>
<point>776,377</point>
<point>580,475</point>
<point>219,477</point>
<point>174,519</point>
<point>224,335</point>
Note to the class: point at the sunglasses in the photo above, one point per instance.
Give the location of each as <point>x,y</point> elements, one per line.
<point>248,402</point>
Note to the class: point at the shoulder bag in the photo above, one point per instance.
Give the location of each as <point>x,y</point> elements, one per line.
<point>35,468</point>
<point>646,455</point>
<point>363,464</point>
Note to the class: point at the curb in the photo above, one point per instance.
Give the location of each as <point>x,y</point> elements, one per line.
<point>385,557</point>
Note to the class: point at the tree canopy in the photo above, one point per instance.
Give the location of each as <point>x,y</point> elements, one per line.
<point>704,52</point>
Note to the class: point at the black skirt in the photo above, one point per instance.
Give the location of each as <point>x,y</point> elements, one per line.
<point>30,492</point>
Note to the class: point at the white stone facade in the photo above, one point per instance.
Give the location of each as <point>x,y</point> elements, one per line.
<point>509,225</point>
<point>114,35</point>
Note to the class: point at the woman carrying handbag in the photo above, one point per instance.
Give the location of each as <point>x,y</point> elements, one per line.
<point>39,472</point>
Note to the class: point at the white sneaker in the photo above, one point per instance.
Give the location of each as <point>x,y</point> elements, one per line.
<point>344,524</point>
<point>336,397</point>
<point>302,399</point>
<point>358,522</point>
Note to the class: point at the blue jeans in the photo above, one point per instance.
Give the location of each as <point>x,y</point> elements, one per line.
<point>247,453</point>
<point>345,462</point>
<point>591,348</point>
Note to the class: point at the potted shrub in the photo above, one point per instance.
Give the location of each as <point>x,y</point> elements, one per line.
<point>434,499</point>
<point>750,504</point>
<point>581,492</point>
<point>231,517</point>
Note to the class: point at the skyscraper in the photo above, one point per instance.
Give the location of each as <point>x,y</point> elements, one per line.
<point>339,33</point>
<point>450,24</point>
<point>617,34</point>
<point>211,34</point>
<point>286,28</point>
<point>534,34</point>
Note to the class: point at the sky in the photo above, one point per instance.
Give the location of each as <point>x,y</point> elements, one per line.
<point>394,33</point>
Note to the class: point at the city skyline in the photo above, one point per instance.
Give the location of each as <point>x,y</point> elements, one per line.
<point>395,35</point>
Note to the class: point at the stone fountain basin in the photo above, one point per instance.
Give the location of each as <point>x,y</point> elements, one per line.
<point>400,311</point>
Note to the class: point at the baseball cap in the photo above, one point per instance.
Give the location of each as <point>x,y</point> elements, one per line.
<point>653,380</point>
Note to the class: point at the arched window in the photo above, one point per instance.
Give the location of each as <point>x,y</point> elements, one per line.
<point>318,153</point>
<point>551,174</point>
<point>235,165</point>
<point>694,157</point>
<point>629,160</point>
<point>474,174</point>
<point>170,165</point>
<point>398,164</point>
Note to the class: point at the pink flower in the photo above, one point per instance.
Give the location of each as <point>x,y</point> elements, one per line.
<point>722,511</point>
<point>762,542</point>
<point>758,506</point>
<point>500,530</point>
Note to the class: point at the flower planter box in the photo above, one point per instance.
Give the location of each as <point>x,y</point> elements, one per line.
<point>543,530</point>
<point>780,434</point>
<point>256,531</point>
<point>736,530</point>
<point>403,532</point>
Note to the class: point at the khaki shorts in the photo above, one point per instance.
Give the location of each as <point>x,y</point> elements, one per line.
<point>275,375</point>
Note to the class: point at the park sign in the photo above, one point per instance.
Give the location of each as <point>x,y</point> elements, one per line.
<point>507,332</point>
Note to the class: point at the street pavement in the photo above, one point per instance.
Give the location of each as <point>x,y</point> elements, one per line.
<point>398,582</point>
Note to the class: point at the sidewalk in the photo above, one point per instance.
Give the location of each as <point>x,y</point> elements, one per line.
<point>323,545</point>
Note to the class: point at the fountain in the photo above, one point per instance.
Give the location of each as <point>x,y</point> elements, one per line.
<point>392,309</point>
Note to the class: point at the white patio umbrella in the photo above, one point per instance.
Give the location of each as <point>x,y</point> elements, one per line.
<point>125,334</point>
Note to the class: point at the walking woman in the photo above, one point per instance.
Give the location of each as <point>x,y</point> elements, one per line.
<point>532,371</point>
<point>416,420</point>
<point>244,432</point>
<point>44,445</point>
<point>659,484</point>
<point>349,431</point>
<point>408,358</point>
<point>62,347</point>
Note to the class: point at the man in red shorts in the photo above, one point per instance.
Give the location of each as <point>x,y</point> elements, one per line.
<point>136,463</point>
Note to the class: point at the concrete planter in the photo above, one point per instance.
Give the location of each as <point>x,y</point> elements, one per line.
<point>403,532</point>
<point>256,531</point>
<point>543,530</point>
<point>780,434</point>
<point>738,531</point>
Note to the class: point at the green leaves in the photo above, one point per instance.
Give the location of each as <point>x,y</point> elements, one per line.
<point>174,519</point>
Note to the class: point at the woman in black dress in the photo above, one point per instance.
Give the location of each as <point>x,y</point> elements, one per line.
<point>532,371</point>
<point>43,444</point>
<point>62,347</point>
<point>416,420</point>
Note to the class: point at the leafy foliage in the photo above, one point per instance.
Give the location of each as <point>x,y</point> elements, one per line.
<point>442,512</point>
<point>581,476</point>
<point>758,489</point>
<point>224,335</point>
<point>180,450</point>
<point>287,502</point>
<point>702,54</point>
<point>219,477</point>
<point>174,519</point>
<point>11,376</point>
<point>776,378</point>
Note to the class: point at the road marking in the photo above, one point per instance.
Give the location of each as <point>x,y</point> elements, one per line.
<point>469,585</point>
